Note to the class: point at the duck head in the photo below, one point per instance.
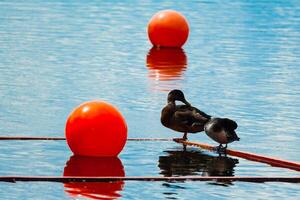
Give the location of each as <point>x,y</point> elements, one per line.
<point>177,95</point>
<point>222,130</point>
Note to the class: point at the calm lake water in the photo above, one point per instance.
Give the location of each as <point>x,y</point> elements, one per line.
<point>241,61</point>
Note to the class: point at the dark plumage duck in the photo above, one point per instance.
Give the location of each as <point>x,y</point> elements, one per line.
<point>188,119</point>
<point>221,130</point>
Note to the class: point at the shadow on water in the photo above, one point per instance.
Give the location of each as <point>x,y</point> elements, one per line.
<point>90,166</point>
<point>166,67</point>
<point>195,163</point>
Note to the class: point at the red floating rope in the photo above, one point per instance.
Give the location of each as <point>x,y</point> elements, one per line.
<point>149,178</point>
<point>249,156</point>
<point>62,138</point>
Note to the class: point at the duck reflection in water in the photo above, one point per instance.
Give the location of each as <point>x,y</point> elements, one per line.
<point>188,163</point>
<point>166,66</point>
<point>92,166</point>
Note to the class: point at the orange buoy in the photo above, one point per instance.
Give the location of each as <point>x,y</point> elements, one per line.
<point>96,128</point>
<point>168,28</point>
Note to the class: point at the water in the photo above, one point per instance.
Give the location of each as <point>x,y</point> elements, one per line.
<point>241,61</point>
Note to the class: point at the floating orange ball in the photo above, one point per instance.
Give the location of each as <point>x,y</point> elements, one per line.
<point>168,28</point>
<point>96,128</point>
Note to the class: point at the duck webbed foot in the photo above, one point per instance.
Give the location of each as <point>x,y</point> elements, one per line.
<point>220,149</point>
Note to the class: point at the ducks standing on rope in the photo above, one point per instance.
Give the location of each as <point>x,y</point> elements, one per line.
<point>188,119</point>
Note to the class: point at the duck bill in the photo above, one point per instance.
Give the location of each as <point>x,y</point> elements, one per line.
<point>186,103</point>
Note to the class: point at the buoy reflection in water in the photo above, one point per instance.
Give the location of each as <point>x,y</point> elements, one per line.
<point>166,67</point>
<point>93,166</point>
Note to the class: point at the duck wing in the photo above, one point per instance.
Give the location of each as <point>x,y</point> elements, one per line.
<point>189,115</point>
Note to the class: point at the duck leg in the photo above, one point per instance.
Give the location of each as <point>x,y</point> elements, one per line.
<point>223,150</point>
<point>184,136</point>
<point>184,147</point>
<point>220,149</point>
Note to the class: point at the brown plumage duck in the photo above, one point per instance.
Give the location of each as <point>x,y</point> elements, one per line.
<point>182,118</point>
<point>188,119</point>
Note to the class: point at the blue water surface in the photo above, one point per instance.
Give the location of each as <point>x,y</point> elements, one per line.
<point>241,61</point>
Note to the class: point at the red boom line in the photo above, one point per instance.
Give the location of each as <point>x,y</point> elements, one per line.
<point>249,156</point>
<point>246,155</point>
<point>62,138</point>
<point>149,178</point>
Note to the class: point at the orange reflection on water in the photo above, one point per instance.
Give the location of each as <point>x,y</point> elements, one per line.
<point>92,166</point>
<point>166,66</point>
<point>166,63</point>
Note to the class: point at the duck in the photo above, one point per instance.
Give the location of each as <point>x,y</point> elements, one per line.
<point>188,119</point>
<point>221,130</point>
<point>182,118</point>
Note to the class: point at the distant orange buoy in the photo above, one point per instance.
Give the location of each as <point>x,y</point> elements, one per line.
<point>96,128</point>
<point>168,28</point>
